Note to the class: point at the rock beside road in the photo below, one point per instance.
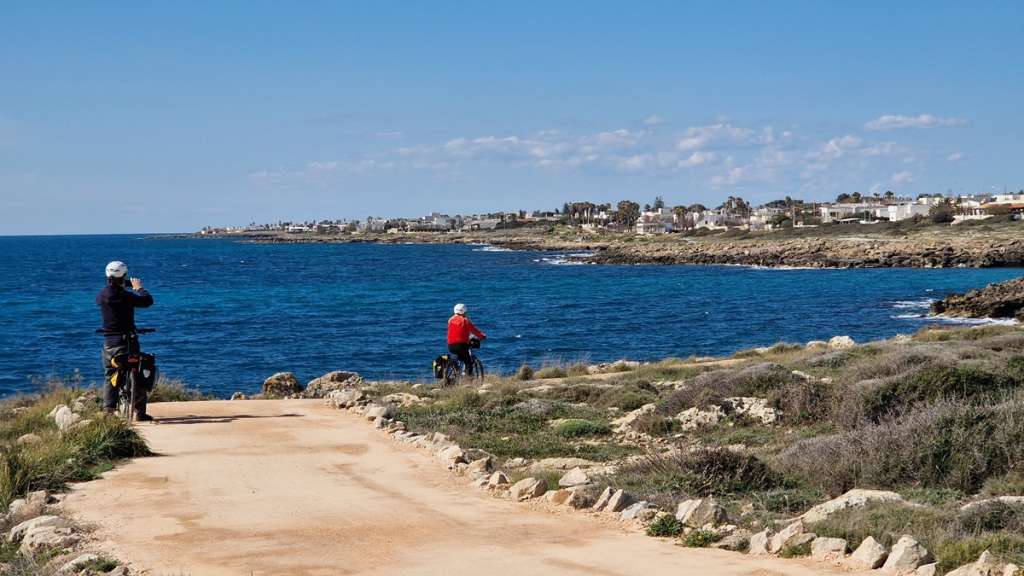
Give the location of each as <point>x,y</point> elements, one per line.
<point>336,380</point>
<point>1001,300</point>
<point>281,385</point>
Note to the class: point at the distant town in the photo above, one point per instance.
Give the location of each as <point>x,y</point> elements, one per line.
<point>659,218</point>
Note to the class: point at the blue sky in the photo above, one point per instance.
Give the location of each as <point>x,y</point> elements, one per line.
<point>130,117</point>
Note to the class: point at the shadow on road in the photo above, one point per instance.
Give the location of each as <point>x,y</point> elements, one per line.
<point>216,419</point>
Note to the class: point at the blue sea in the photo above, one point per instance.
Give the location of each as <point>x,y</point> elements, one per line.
<point>229,314</point>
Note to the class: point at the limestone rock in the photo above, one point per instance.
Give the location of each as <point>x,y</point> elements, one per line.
<point>870,555</point>
<point>927,569</point>
<point>787,537</point>
<point>816,345</point>
<point>45,538</point>
<point>548,464</point>
<point>618,501</point>
<point>497,480</point>
<point>344,398</point>
<point>378,411</point>
<point>630,421</point>
<point>238,396</point>
<point>602,500</point>
<point>480,466</point>
<point>841,342</point>
<point>753,408</point>
<point>31,506</point>
<point>48,521</point>
<point>1011,570</point>
<point>828,549</point>
<point>452,454</point>
<point>336,380</point>
<point>856,498</point>
<point>405,399</point>
<point>78,563</point>
<point>637,511</point>
<point>737,541</point>
<point>760,542</point>
<point>985,565</point>
<point>694,418</point>
<point>906,555</point>
<point>574,477</point>
<point>528,488</point>
<point>65,418</point>
<point>701,511</point>
<point>28,439</point>
<point>281,385</point>
<point>1007,500</point>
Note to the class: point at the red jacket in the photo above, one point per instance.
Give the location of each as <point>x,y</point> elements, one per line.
<point>459,329</point>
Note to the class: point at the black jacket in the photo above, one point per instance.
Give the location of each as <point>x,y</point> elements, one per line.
<point>117,306</point>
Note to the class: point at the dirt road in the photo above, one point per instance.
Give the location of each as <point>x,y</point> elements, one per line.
<point>292,487</point>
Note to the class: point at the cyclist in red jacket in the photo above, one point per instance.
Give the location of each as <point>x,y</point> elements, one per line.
<point>459,331</point>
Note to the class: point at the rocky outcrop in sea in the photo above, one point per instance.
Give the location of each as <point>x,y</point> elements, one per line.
<point>1002,300</point>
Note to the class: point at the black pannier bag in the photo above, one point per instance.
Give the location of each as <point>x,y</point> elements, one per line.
<point>147,372</point>
<point>440,363</point>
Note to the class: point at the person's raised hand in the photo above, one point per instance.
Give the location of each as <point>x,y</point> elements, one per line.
<point>136,283</point>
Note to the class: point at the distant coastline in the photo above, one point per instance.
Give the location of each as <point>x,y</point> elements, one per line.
<point>921,245</point>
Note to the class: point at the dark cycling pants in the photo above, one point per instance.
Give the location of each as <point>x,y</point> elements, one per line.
<point>462,351</point>
<point>109,392</point>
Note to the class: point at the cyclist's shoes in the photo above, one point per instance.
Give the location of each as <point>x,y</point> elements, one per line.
<point>143,417</point>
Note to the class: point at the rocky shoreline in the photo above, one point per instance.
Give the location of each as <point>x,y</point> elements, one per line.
<point>929,248</point>
<point>1003,300</point>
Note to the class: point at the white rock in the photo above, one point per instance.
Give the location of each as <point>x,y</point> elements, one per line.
<point>855,498</point>
<point>48,521</point>
<point>841,342</point>
<point>497,480</point>
<point>754,408</point>
<point>574,477</point>
<point>870,554</point>
<point>759,543</point>
<point>786,537</point>
<point>28,439</point>
<point>65,418</point>
<point>985,565</point>
<point>1008,500</point>
<point>344,398</point>
<point>45,538</point>
<point>22,509</point>
<point>635,511</point>
<point>694,418</point>
<point>480,466</point>
<point>906,555</point>
<point>630,420</point>
<point>602,500</point>
<point>78,563</point>
<point>817,344</point>
<point>619,501</point>
<point>700,511</point>
<point>528,488</point>
<point>828,549</point>
<point>378,411</point>
<point>1011,569</point>
<point>926,569</point>
<point>452,454</point>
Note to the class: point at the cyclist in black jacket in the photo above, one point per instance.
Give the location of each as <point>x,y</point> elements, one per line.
<point>117,306</point>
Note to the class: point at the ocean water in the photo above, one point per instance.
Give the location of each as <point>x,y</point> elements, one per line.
<point>230,314</point>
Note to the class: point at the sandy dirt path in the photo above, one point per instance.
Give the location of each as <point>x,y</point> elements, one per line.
<point>292,487</point>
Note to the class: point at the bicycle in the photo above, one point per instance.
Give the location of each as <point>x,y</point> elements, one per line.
<point>130,365</point>
<point>454,371</point>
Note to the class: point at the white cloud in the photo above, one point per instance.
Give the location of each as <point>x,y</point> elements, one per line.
<point>723,133</point>
<point>904,177</point>
<point>955,157</point>
<point>896,121</point>
<point>653,120</point>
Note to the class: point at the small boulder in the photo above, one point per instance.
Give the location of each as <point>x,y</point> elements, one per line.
<point>906,555</point>
<point>497,480</point>
<point>618,501</point>
<point>816,345</point>
<point>738,541</point>
<point>574,477</point>
<point>841,342</point>
<point>66,419</point>
<point>602,500</point>
<point>48,521</point>
<point>78,563</point>
<point>238,396</point>
<point>379,411</point>
<point>788,537</point>
<point>281,385</point>
<point>41,539</point>
<point>638,511</point>
<point>345,398</point>
<point>700,511</point>
<point>28,439</point>
<point>452,455</point>
<point>694,418</point>
<point>405,399</point>
<point>336,380</point>
<point>927,569</point>
<point>480,466</point>
<point>528,488</point>
<point>1011,569</point>
<point>869,555</point>
<point>564,497</point>
<point>856,498</point>
<point>760,542</point>
<point>985,565</point>
<point>828,549</point>
<point>630,421</point>
<point>31,506</point>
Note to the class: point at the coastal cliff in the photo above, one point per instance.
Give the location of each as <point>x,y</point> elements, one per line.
<point>1002,300</point>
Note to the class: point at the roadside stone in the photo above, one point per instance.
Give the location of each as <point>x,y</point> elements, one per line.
<point>841,342</point>
<point>48,521</point>
<point>906,555</point>
<point>336,380</point>
<point>497,480</point>
<point>574,477</point>
<point>44,538</point>
<point>549,464</point>
<point>635,511</point>
<point>28,439</point>
<point>31,506</point>
<point>927,569</point>
<point>480,466</point>
<point>869,555</point>
<point>345,398</point>
<point>528,488</point>
<point>281,385</point>
<point>238,396</point>
<point>78,563</point>
<point>700,511</point>
<point>405,399</point>
<point>619,501</point>
<point>828,549</point>
<point>1007,500</point>
<point>378,410</point>
<point>787,537</point>
<point>759,543</point>
<point>738,541</point>
<point>856,498</point>
<point>985,565</point>
<point>1011,569</point>
<point>452,455</point>
<point>65,419</point>
<point>602,500</point>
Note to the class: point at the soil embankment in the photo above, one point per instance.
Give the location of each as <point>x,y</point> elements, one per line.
<point>293,487</point>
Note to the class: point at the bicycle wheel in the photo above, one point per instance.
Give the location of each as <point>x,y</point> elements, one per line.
<point>124,401</point>
<point>478,369</point>
<point>452,373</point>
<point>130,412</point>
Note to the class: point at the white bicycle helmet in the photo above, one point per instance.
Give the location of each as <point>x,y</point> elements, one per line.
<point>461,309</point>
<point>117,269</point>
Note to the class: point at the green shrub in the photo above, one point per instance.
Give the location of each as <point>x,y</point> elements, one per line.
<point>932,496</point>
<point>627,397</point>
<point>665,526</point>
<point>576,428</point>
<point>656,425</point>
<point>700,539</point>
<point>796,551</point>
<point>170,390</point>
<point>956,552</point>
<point>1009,484</point>
<point>551,372</point>
<point>786,500</point>
<point>931,384</point>
<point>578,369</point>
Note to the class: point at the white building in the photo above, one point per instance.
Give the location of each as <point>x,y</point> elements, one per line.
<point>655,222</point>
